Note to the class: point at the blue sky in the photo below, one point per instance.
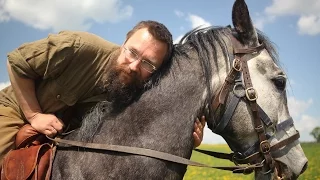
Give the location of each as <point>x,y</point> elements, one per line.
<point>293,25</point>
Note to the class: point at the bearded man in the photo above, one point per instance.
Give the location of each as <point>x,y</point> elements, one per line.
<point>72,71</point>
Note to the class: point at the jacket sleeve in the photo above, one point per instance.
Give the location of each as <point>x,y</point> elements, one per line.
<point>45,58</point>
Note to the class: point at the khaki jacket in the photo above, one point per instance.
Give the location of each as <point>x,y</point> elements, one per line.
<point>67,68</point>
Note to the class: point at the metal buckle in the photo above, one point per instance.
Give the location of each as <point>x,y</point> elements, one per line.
<point>239,90</point>
<point>259,129</point>
<point>273,131</point>
<point>236,64</point>
<point>253,93</point>
<point>265,146</point>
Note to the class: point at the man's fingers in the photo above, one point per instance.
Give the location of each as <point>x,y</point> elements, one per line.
<point>197,140</point>
<point>198,130</point>
<point>203,121</point>
<point>51,132</point>
<point>60,122</point>
<point>60,129</point>
<point>58,125</point>
<point>198,123</point>
<point>195,125</point>
<point>195,135</point>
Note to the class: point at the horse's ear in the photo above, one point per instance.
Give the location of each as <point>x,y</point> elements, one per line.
<point>243,23</point>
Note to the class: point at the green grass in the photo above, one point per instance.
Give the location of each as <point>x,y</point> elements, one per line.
<point>312,151</point>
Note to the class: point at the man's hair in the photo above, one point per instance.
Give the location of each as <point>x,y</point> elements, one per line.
<point>158,31</point>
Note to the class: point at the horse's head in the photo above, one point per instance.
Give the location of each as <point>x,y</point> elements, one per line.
<point>250,108</point>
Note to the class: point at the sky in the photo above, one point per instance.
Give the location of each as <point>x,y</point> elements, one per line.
<point>293,25</point>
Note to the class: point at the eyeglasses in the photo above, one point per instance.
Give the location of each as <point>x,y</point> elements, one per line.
<point>133,56</point>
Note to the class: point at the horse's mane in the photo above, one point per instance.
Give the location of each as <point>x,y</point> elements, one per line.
<point>202,40</point>
<point>199,37</point>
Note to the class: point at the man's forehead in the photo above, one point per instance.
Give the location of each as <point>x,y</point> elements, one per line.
<point>141,34</point>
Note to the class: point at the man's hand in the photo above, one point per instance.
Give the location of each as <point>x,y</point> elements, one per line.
<point>47,124</point>
<point>24,90</point>
<point>198,131</point>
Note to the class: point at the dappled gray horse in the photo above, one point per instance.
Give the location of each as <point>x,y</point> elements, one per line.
<point>193,84</point>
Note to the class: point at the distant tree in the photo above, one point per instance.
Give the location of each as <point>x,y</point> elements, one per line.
<point>316,133</point>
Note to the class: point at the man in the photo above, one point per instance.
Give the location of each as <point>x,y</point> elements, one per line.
<point>75,70</point>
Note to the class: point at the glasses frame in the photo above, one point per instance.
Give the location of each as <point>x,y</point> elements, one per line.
<point>133,56</point>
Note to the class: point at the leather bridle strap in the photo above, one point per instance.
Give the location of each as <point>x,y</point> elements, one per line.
<point>234,101</point>
<point>251,94</point>
<point>223,92</point>
<point>253,157</point>
<point>259,128</point>
<point>285,142</point>
<point>153,154</point>
<point>279,127</point>
<point>230,108</point>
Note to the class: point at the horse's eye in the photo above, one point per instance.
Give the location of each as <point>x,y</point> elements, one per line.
<point>280,82</point>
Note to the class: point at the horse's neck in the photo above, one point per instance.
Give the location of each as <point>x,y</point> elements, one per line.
<point>166,112</point>
<point>163,114</point>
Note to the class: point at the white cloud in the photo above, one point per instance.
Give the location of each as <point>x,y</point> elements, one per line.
<point>59,14</point>
<point>293,7</point>
<point>309,24</point>
<point>298,107</point>
<point>260,21</point>
<point>306,123</point>
<point>179,13</point>
<point>194,20</point>
<point>308,12</point>
<point>197,21</point>
<point>4,84</point>
<point>177,39</point>
<point>210,138</point>
<point>303,122</point>
<point>3,15</point>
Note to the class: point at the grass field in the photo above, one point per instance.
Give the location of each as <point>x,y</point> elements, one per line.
<point>312,151</point>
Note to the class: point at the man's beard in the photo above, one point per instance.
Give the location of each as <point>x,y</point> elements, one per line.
<point>121,85</point>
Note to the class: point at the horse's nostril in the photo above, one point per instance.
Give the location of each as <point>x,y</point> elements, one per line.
<point>304,168</point>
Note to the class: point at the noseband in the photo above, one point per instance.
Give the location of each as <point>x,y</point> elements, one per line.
<point>239,78</point>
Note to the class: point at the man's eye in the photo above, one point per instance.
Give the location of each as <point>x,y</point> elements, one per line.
<point>132,53</point>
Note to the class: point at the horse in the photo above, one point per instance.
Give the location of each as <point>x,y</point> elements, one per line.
<point>210,68</point>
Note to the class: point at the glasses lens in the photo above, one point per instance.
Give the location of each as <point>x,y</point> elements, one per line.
<point>144,64</point>
<point>130,55</point>
<point>147,66</point>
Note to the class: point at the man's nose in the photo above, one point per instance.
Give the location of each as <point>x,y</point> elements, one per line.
<point>135,65</point>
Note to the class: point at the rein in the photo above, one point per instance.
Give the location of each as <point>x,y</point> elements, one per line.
<point>150,153</point>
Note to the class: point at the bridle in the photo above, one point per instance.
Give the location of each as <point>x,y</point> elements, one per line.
<point>237,86</point>
<point>251,157</point>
